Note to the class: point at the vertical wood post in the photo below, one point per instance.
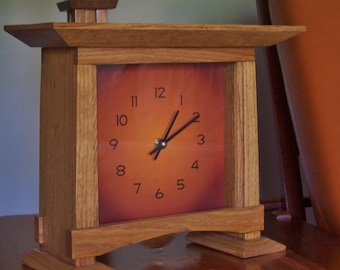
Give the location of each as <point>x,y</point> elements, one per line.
<point>68,154</point>
<point>242,162</point>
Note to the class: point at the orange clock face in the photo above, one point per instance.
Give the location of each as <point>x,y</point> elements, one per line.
<point>160,139</point>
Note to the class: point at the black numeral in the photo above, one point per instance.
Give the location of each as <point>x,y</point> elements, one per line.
<point>159,92</point>
<point>138,185</point>
<point>120,170</point>
<point>201,139</point>
<point>195,165</point>
<point>180,184</point>
<point>159,195</point>
<point>121,120</point>
<point>114,143</point>
<point>134,101</point>
<point>196,114</point>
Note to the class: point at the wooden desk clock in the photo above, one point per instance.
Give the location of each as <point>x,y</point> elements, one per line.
<point>146,130</point>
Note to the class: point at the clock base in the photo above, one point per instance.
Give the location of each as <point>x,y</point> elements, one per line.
<point>38,260</point>
<point>243,248</point>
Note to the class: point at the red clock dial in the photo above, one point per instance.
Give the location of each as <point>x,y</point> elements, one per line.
<point>160,139</point>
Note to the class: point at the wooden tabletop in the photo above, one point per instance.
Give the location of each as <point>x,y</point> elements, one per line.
<point>307,248</point>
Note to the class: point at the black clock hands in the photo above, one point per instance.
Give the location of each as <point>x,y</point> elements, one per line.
<point>162,143</point>
<point>183,127</point>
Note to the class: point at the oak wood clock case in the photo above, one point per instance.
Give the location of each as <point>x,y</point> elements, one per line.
<point>68,228</point>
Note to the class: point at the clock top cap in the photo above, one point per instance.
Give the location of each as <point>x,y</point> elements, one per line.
<point>87,11</point>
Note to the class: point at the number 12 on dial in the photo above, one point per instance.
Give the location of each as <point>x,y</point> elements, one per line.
<point>160,139</point>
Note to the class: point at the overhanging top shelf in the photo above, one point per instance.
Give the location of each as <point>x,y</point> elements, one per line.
<point>119,35</point>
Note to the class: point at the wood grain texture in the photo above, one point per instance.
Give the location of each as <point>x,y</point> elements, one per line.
<point>87,16</point>
<point>151,35</point>
<point>162,55</point>
<point>39,260</point>
<point>86,177</point>
<point>236,246</point>
<point>241,154</point>
<point>100,240</point>
<point>101,15</point>
<point>307,248</point>
<point>68,166</point>
<point>57,148</point>
<point>39,229</point>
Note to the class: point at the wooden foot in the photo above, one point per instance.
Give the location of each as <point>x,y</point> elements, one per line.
<point>236,246</point>
<point>38,260</point>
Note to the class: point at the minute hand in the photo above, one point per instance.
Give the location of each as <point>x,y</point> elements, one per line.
<point>182,128</point>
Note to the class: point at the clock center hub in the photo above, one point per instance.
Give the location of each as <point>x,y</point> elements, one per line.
<point>160,143</point>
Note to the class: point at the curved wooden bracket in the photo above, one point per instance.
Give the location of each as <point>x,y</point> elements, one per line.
<point>105,238</point>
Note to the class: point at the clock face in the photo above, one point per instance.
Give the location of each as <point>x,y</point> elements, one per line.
<point>160,139</point>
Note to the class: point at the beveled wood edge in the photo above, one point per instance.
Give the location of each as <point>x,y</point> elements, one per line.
<point>108,237</point>
<point>236,246</point>
<point>145,35</point>
<point>39,260</point>
<point>161,27</point>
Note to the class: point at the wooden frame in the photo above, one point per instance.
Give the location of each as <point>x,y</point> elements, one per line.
<point>69,228</point>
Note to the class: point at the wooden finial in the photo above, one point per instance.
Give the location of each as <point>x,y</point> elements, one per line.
<point>87,11</point>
